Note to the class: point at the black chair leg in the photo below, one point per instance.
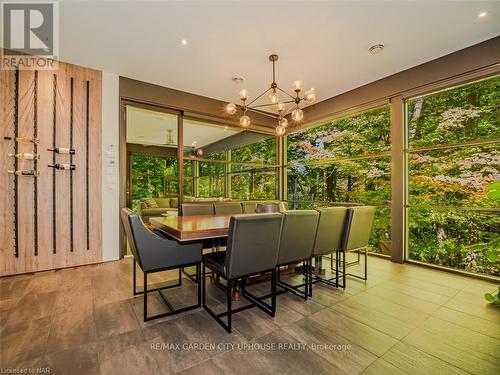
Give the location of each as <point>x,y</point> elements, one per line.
<point>366,264</point>
<point>203,287</point>
<point>337,267</point>
<point>273,293</point>
<point>198,275</point>
<point>134,281</point>
<point>229,300</point>
<point>343,270</point>
<point>145,296</point>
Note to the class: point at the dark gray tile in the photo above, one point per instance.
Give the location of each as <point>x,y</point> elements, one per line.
<point>115,318</point>
<point>75,361</point>
<point>71,329</point>
<point>24,340</point>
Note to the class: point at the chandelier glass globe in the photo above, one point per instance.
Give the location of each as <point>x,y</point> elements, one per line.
<point>231,108</point>
<point>245,121</point>
<point>297,115</point>
<point>280,130</point>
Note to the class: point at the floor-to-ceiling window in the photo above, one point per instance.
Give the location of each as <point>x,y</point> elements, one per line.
<point>254,170</point>
<point>453,158</point>
<point>151,154</point>
<point>223,162</point>
<point>345,160</point>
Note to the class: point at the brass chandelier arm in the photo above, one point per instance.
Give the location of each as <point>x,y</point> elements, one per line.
<point>284,92</point>
<point>258,97</point>
<point>271,104</point>
<point>254,109</point>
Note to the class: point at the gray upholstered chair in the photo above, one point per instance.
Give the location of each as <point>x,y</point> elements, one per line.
<point>193,209</point>
<point>267,207</point>
<point>252,248</point>
<point>328,238</point>
<point>228,208</point>
<point>345,204</point>
<point>154,253</point>
<point>298,232</point>
<point>356,234</point>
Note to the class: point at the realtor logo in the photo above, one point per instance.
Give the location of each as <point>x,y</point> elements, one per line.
<point>29,34</point>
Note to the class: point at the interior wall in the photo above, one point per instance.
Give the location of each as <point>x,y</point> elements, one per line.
<point>110,170</point>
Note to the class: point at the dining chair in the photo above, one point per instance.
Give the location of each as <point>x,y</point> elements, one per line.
<point>298,232</point>
<point>193,209</point>
<point>228,208</point>
<point>267,208</point>
<point>342,204</point>
<point>252,249</point>
<point>154,253</point>
<point>356,235</point>
<point>328,240</point>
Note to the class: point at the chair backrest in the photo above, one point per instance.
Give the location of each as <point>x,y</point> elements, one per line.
<point>125,213</point>
<point>228,208</point>
<point>154,252</point>
<point>330,230</point>
<point>298,231</point>
<point>252,244</point>
<point>249,207</point>
<point>193,209</point>
<point>267,207</point>
<point>358,227</point>
<point>345,204</point>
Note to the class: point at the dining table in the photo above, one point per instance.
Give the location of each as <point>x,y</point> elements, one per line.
<point>192,228</point>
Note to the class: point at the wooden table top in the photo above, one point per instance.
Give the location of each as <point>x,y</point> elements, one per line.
<point>189,228</point>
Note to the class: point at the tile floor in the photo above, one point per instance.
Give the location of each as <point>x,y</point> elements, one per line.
<point>405,319</point>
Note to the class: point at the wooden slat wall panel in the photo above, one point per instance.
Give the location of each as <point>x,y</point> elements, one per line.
<point>46,260</point>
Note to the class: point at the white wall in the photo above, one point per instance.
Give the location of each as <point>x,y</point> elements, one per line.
<point>110,169</point>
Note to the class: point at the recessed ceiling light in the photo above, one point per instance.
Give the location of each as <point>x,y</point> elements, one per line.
<point>184,42</point>
<point>377,48</point>
<point>482,14</point>
<point>140,136</point>
<point>237,79</point>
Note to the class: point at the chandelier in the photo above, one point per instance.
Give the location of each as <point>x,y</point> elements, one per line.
<point>291,103</point>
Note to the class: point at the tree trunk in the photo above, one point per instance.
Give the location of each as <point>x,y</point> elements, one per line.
<point>331,185</point>
<point>414,123</point>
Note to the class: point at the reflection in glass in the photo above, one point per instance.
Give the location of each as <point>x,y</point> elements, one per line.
<point>254,184</point>
<point>152,176</point>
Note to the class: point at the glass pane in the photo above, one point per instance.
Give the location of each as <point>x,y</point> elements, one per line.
<point>262,151</point>
<point>364,180</point>
<point>153,176</point>
<point>365,133</point>
<point>254,185</point>
<point>454,177</point>
<point>464,240</point>
<point>457,115</point>
<point>380,238</point>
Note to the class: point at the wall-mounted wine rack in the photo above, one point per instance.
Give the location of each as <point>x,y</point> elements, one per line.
<point>63,109</point>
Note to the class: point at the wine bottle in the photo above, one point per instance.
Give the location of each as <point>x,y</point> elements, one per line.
<point>24,139</point>
<point>26,172</point>
<point>62,150</point>
<point>62,166</point>
<point>26,156</point>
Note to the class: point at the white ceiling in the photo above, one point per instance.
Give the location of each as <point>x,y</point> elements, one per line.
<point>151,128</point>
<point>325,44</point>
